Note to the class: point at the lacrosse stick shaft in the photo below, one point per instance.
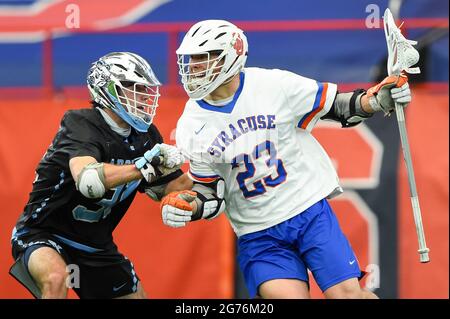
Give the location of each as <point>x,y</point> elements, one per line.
<point>423,250</point>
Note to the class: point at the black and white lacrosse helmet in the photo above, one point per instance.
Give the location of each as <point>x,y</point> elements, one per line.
<point>125,83</point>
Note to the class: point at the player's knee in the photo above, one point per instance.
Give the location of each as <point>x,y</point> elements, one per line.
<point>284,289</point>
<point>54,285</point>
<point>349,293</point>
<point>361,293</point>
<point>367,294</point>
<point>352,294</point>
<point>348,289</point>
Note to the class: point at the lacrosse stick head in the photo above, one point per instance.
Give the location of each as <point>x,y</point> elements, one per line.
<point>401,53</point>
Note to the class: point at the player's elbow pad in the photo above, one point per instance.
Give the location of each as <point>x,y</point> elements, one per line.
<point>210,202</point>
<point>91,181</point>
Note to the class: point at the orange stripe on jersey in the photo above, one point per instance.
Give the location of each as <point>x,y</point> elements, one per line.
<point>203,179</point>
<point>323,98</point>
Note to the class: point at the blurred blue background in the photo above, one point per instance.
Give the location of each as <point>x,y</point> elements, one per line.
<point>344,56</point>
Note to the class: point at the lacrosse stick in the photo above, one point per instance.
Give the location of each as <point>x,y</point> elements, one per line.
<point>401,56</point>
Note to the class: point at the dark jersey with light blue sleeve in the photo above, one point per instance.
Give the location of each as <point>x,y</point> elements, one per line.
<point>54,204</point>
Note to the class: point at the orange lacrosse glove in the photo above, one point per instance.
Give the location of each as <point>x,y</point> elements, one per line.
<point>175,208</point>
<point>179,199</point>
<point>381,96</point>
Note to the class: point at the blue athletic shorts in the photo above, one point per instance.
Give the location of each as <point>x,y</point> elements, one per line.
<point>311,240</point>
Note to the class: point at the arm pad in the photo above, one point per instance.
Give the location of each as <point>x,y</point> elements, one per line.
<point>157,189</point>
<point>91,181</point>
<point>155,192</point>
<point>347,109</point>
<point>210,202</point>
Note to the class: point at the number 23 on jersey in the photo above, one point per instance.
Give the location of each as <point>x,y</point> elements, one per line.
<point>261,151</point>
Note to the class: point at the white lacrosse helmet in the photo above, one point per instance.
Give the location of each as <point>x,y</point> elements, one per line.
<point>125,83</point>
<point>206,37</point>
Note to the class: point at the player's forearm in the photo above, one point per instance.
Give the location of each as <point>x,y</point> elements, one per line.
<point>180,184</point>
<point>120,174</point>
<point>114,175</point>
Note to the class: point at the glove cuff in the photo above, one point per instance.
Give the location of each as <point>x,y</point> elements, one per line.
<point>146,169</point>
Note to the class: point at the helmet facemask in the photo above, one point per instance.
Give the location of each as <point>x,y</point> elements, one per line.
<point>138,99</point>
<point>200,70</point>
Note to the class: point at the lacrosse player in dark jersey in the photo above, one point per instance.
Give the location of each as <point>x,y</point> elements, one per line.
<point>86,181</point>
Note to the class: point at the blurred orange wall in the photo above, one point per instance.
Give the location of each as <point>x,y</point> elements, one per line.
<point>428,131</point>
<point>198,261</point>
<point>195,262</point>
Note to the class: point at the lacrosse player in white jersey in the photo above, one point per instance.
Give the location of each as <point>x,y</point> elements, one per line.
<point>247,134</point>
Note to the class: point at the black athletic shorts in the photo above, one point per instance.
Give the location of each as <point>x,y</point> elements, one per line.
<point>103,273</point>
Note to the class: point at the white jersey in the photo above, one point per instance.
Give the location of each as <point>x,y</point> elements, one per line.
<point>260,144</point>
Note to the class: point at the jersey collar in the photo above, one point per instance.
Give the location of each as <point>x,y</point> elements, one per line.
<point>227,108</point>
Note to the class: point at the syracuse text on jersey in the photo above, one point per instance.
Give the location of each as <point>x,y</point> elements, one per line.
<point>241,127</point>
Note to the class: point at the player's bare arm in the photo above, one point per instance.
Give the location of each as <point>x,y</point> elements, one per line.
<point>181,183</point>
<point>93,179</point>
<point>114,175</point>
